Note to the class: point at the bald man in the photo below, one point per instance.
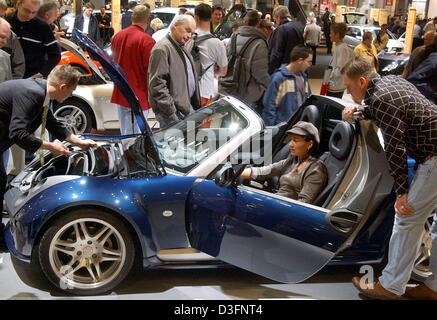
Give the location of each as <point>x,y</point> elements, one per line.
<point>173,83</point>
<point>5,61</point>
<point>414,60</point>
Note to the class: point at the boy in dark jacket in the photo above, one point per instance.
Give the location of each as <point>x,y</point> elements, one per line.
<point>288,88</point>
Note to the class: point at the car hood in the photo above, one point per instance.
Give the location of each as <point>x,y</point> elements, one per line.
<point>78,52</point>
<point>116,74</point>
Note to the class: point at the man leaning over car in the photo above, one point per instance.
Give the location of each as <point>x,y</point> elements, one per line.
<point>24,106</point>
<point>408,122</point>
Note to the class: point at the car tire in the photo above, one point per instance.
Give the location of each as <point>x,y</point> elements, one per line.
<point>92,263</point>
<point>75,115</point>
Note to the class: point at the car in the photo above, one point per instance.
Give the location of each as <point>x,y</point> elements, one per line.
<point>354,36</point>
<point>354,18</point>
<point>75,60</point>
<point>89,108</point>
<point>166,15</point>
<point>86,219</point>
<point>391,60</point>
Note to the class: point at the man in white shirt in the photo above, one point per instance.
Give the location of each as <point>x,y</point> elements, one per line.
<point>213,58</point>
<point>87,23</point>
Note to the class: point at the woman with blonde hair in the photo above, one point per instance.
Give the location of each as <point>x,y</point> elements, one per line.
<point>156,24</point>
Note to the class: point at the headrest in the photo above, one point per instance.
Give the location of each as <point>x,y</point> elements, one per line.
<point>341,140</point>
<point>311,114</point>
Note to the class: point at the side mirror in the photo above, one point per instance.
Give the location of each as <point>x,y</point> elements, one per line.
<point>225,176</point>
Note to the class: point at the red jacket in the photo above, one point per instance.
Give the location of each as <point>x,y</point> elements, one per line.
<point>131,50</point>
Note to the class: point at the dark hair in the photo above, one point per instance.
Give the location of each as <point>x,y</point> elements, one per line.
<point>89,5</point>
<point>252,19</point>
<point>300,52</point>
<point>203,11</point>
<point>215,8</point>
<point>340,28</point>
<point>359,67</point>
<point>132,4</point>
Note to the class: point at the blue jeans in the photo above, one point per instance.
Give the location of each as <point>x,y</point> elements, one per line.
<point>407,232</point>
<point>125,119</point>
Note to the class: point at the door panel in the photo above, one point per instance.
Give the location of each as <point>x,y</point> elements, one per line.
<point>283,240</point>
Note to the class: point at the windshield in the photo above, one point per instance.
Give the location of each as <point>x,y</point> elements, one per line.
<point>353,18</point>
<point>189,142</point>
<point>165,17</point>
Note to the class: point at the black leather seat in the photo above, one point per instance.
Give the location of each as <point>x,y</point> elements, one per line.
<point>312,114</point>
<point>340,147</point>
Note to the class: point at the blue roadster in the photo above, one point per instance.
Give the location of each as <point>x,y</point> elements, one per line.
<point>173,197</point>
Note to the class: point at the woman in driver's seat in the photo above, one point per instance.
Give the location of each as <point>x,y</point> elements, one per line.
<point>301,176</point>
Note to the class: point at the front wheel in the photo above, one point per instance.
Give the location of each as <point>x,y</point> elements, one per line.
<point>75,115</point>
<point>87,252</point>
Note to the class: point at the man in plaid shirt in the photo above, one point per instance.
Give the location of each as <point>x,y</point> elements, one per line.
<point>408,122</point>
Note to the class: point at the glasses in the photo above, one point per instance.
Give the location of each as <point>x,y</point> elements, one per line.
<point>310,62</point>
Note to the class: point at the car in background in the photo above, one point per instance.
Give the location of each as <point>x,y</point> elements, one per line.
<point>166,15</point>
<point>73,58</point>
<point>85,219</point>
<point>354,18</point>
<point>391,60</point>
<point>90,108</point>
<point>354,36</point>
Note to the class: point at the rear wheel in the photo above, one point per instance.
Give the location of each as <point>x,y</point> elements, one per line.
<point>86,252</point>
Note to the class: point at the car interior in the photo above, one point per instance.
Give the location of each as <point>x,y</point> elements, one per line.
<point>337,142</point>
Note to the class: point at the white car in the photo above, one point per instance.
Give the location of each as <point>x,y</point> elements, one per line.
<point>355,33</point>
<point>166,15</point>
<point>90,107</point>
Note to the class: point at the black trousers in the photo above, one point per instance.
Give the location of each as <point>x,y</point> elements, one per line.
<point>314,48</point>
<point>328,40</point>
<point>3,180</point>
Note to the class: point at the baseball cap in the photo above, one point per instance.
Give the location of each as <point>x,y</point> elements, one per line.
<point>307,129</point>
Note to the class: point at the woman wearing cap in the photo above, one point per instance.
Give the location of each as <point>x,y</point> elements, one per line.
<point>301,176</point>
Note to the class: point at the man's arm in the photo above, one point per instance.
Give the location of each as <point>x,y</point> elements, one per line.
<point>17,58</point>
<point>159,94</point>
<point>20,119</point>
<point>52,50</point>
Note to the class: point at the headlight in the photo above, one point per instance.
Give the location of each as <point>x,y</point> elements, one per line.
<point>391,66</point>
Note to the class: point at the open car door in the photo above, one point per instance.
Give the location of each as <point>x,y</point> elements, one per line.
<point>279,238</point>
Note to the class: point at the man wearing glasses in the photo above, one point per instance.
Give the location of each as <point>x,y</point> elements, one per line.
<point>40,47</point>
<point>289,87</point>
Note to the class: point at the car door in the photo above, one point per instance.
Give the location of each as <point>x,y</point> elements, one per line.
<point>272,236</point>
<point>280,238</point>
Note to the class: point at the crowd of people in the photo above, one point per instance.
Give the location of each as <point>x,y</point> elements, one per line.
<point>264,64</point>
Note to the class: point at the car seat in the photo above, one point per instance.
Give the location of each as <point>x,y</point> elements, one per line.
<point>340,146</point>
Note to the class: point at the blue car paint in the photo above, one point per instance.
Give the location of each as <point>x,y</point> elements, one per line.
<point>140,201</point>
<point>240,226</point>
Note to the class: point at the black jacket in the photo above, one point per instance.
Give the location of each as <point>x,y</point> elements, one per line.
<point>126,19</point>
<point>21,103</point>
<point>286,37</point>
<point>424,77</point>
<point>93,27</point>
<point>41,50</point>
